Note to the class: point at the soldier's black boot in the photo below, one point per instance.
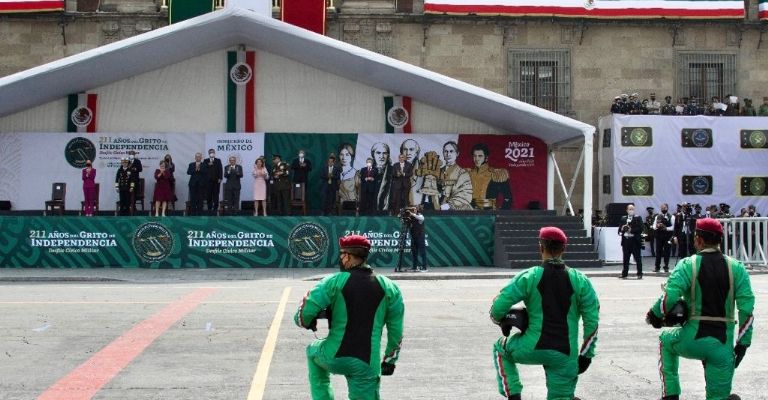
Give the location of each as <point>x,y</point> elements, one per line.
<point>673,397</point>
<point>514,397</point>
<point>734,397</point>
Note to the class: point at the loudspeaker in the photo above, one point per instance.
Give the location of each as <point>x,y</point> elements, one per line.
<point>5,205</point>
<point>614,212</point>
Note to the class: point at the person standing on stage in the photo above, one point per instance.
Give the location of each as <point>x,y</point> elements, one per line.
<point>281,185</point>
<point>198,176</point>
<point>663,227</point>
<point>213,183</point>
<point>631,230</point>
<point>401,184</point>
<point>369,177</point>
<point>171,167</point>
<point>163,189</point>
<point>329,185</point>
<point>125,183</point>
<point>301,167</point>
<point>233,172</point>
<point>555,297</point>
<point>89,188</point>
<point>418,238</point>
<point>709,286</point>
<point>134,164</point>
<point>260,178</point>
<point>358,304</point>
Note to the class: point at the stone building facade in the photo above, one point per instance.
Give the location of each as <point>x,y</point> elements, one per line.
<point>572,66</point>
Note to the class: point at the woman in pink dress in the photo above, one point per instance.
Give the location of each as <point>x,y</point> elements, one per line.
<point>163,189</point>
<point>89,187</point>
<point>260,176</point>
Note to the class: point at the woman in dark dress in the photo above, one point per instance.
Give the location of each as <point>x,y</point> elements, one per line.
<point>163,189</point>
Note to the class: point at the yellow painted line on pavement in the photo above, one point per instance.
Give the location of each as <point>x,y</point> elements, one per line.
<point>259,382</point>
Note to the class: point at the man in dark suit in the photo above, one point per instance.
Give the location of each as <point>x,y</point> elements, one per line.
<point>301,167</point>
<point>198,175</point>
<point>631,230</point>
<point>233,172</point>
<point>368,188</point>
<point>329,184</point>
<point>215,174</point>
<point>401,184</point>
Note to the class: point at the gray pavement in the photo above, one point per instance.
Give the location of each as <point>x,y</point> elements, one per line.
<point>54,324</point>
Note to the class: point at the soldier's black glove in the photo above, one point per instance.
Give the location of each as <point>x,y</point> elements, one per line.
<point>506,327</point>
<point>584,364</point>
<point>738,353</point>
<point>387,369</point>
<point>313,325</point>
<point>652,320</point>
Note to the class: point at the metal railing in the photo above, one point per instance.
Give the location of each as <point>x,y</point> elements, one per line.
<point>746,239</point>
<point>276,4</point>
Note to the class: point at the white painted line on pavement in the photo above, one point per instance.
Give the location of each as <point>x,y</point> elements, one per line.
<point>259,382</point>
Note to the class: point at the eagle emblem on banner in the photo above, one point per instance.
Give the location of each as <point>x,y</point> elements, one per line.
<point>397,116</point>
<point>81,116</point>
<point>241,73</point>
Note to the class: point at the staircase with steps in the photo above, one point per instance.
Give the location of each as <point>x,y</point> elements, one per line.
<point>516,239</point>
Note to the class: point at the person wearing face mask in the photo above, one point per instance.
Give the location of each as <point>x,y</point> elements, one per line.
<point>215,174</point>
<point>134,163</point>
<point>171,167</point>
<point>369,176</point>
<point>631,230</point>
<point>663,227</point>
<point>358,303</point>
<point>233,172</point>
<point>301,166</point>
<point>125,182</point>
<point>89,188</point>
<point>198,175</point>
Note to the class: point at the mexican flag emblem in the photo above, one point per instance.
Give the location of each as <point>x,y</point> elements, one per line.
<point>82,112</point>
<point>397,114</point>
<point>241,91</point>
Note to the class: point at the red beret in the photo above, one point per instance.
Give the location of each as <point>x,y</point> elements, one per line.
<point>354,241</point>
<point>709,225</point>
<point>553,233</point>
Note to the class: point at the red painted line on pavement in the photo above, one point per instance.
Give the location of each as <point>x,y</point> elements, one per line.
<point>88,378</point>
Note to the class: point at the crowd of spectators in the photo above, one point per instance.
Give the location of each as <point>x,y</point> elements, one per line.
<point>727,106</point>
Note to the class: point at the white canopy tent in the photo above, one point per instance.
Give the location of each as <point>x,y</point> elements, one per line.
<point>235,26</point>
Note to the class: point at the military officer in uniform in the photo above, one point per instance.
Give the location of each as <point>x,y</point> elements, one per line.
<point>281,186</point>
<point>487,182</point>
<point>709,286</point>
<point>748,110</point>
<point>624,103</point>
<point>663,227</point>
<point>125,183</point>
<point>763,111</point>
<point>648,230</point>
<point>616,106</point>
<point>630,231</point>
<point>668,108</point>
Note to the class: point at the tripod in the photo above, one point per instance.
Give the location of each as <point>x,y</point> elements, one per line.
<point>405,227</point>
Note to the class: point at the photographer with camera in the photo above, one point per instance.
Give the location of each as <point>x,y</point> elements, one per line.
<point>362,303</point>
<point>684,223</point>
<point>712,286</point>
<point>631,230</point>
<point>663,226</point>
<point>555,297</point>
<point>418,238</point>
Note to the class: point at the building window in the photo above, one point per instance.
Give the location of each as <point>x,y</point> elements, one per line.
<point>704,75</point>
<point>541,78</point>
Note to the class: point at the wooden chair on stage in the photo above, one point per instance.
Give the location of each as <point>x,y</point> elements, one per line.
<point>138,197</point>
<point>95,203</point>
<point>298,197</point>
<point>58,198</point>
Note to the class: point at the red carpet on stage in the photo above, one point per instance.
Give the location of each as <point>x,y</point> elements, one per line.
<point>308,14</point>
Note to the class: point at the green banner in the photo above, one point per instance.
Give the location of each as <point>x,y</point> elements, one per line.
<point>231,242</point>
<point>180,10</point>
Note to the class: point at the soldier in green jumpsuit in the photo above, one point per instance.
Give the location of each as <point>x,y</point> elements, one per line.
<point>712,284</point>
<point>555,297</point>
<point>358,303</point>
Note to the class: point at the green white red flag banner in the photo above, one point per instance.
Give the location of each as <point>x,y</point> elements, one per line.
<point>762,9</point>
<point>241,91</point>
<point>81,112</point>
<point>15,6</point>
<point>397,114</point>
<point>639,9</point>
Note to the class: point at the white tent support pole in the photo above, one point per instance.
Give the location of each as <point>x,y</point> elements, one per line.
<point>550,180</point>
<point>589,142</point>
<point>560,178</point>
<point>573,181</point>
